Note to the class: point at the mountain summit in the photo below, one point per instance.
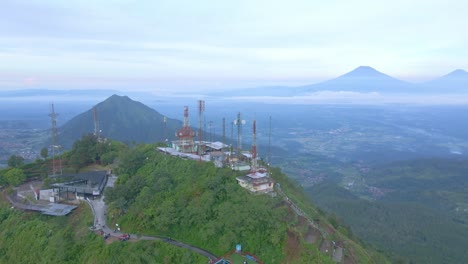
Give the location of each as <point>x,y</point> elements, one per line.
<point>460,73</point>
<point>364,71</point>
<point>120,118</point>
<point>363,79</point>
<point>455,81</point>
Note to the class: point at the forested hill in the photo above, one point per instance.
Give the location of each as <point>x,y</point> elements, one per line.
<point>120,118</point>
<point>189,201</point>
<point>204,206</point>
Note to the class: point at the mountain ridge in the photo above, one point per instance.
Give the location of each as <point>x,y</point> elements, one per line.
<point>363,79</point>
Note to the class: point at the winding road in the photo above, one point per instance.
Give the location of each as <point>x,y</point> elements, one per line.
<point>99,208</point>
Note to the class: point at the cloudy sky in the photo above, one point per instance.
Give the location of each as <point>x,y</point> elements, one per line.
<point>201,45</point>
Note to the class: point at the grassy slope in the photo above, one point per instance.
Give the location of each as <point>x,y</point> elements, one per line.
<point>35,238</point>
<point>199,204</point>
<point>206,208</point>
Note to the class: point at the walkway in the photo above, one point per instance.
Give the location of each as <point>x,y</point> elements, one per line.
<point>99,208</point>
<point>337,253</point>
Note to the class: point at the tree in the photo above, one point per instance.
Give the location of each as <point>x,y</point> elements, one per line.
<point>14,176</point>
<point>44,153</point>
<point>15,161</point>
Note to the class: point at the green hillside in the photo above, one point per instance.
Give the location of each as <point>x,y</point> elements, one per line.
<point>122,119</point>
<point>202,205</point>
<point>407,228</point>
<point>34,238</point>
<point>186,200</point>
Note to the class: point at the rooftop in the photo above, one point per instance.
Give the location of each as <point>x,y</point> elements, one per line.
<point>259,173</point>
<point>92,182</point>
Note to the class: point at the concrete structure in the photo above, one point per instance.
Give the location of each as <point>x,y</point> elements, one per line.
<point>258,181</point>
<point>47,208</point>
<point>80,185</point>
<point>174,152</point>
<point>212,151</point>
<point>213,146</point>
<point>240,166</point>
<point>47,195</point>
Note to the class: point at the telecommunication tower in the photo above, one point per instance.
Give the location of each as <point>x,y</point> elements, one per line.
<point>55,147</point>
<point>224,130</point>
<point>269,145</point>
<point>253,166</point>
<point>210,127</point>
<point>201,110</point>
<point>239,122</point>
<point>186,134</point>
<point>164,129</point>
<point>96,123</point>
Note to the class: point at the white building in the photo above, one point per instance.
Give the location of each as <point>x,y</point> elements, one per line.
<point>258,181</point>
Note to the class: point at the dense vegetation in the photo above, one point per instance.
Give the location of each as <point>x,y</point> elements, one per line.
<point>91,150</point>
<point>161,195</point>
<point>418,233</point>
<point>440,184</point>
<point>86,151</point>
<point>203,206</point>
<point>35,238</point>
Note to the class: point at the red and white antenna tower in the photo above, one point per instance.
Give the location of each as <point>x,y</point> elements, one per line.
<point>186,134</point>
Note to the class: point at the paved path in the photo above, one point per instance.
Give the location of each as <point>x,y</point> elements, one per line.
<point>99,208</point>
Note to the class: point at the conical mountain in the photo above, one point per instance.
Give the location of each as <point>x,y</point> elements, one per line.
<point>453,82</point>
<point>120,118</point>
<point>362,79</point>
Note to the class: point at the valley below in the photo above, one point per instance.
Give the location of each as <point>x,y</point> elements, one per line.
<point>396,175</point>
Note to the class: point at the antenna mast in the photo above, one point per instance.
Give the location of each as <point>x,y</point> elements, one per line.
<point>201,110</point>
<point>239,122</point>
<point>54,145</point>
<point>96,123</point>
<point>224,130</point>
<point>269,145</point>
<point>253,167</point>
<point>164,129</point>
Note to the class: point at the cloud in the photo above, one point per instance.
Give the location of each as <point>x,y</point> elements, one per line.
<point>229,42</point>
<point>345,97</point>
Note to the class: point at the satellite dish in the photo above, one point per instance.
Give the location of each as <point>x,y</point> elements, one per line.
<point>241,121</point>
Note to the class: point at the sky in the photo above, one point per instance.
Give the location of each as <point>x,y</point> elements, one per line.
<point>182,46</point>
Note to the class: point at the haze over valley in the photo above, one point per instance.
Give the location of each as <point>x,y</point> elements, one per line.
<point>234,131</point>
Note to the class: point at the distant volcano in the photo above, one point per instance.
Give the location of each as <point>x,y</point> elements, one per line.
<point>364,71</point>
<point>456,81</point>
<point>362,79</point>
